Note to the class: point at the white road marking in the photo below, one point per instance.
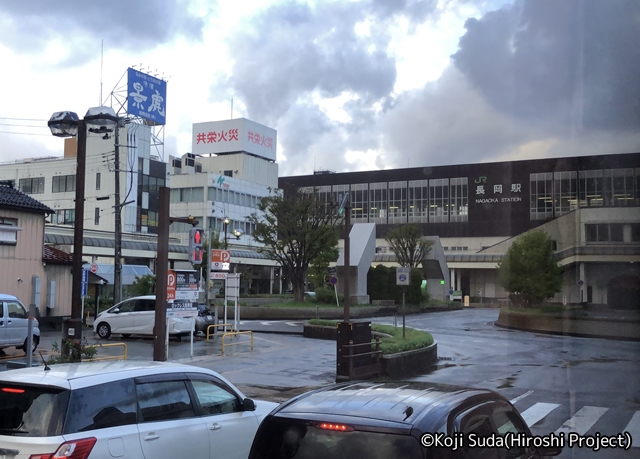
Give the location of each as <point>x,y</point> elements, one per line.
<point>293,324</point>
<point>266,323</point>
<point>634,429</point>
<point>583,420</point>
<point>520,397</point>
<point>537,412</point>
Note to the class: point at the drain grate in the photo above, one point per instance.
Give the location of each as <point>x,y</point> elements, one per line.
<point>445,358</point>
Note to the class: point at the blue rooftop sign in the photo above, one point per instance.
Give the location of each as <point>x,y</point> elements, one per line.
<point>146,96</point>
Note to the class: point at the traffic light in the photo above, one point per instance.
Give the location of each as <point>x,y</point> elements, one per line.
<point>196,236</point>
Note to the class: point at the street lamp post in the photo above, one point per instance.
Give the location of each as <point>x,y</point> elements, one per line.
<point>67,124</point>
<point>226,222</point>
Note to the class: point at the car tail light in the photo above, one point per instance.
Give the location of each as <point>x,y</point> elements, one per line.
<point>12,390</point>
<point>336,427</point>
<point>74,449</point>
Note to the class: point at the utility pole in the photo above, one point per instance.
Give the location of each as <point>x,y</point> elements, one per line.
<point>162,271</point>
<point>117,268</point>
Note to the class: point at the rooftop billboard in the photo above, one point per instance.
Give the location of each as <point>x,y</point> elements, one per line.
<point>146,96</point>
<point>230,136</point>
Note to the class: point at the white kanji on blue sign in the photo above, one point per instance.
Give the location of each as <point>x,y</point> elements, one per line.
<point>146,96</point>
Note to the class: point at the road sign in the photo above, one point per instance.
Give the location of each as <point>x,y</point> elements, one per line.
<point>333,280</point>
<point>332,271</point>
<point>402,276</point>
<point>219,266</point>
<point>182,309</point>
<point>94,268</point>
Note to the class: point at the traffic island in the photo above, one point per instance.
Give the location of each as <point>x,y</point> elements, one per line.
<point>583,324</point>
<point>396,365</point>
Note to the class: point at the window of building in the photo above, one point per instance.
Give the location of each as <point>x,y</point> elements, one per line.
<point>152,218</point>
<point>64,217</point>
<point>541,196</point>
<point>64,183</point>
<point>635,232</point>
<point>360,203</point>
<point>398,202</point>
<point>33,185</point>
<point>618,187</point>
<point>604,233</point>
<point>439,200</point>
<point>565,196</point>
<point>325,196</point>
<point>418,201</point>
<point>195,194</point>
<point>97,180</point>
<point>591,188</point>
<point>8,231</point>
<point>378,202</point>
<point>338,192</point>
<point>459,199</point>
<point>228,173</point>
<point>96,216</point>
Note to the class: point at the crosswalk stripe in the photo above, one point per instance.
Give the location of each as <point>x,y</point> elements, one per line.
<point>583,420</point>
<point>520,397</point>
<point>537,412</point>
<point>634,429</point>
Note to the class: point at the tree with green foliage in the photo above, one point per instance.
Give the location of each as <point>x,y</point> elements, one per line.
<point>529,270</point>
<point>407,244</point>
<point>296,230</point>
<point>145,285</point>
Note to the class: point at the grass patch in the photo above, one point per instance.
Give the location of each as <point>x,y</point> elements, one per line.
<point>308,304</point>
<point>414,339</point>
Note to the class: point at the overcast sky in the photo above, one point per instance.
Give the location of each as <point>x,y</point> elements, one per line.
<point>349,85</point>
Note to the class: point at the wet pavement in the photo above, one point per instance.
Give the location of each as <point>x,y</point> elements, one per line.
<point>278,367</point>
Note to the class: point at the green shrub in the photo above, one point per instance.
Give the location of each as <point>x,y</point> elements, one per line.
<point>381,285</point>
<point>327,296</point>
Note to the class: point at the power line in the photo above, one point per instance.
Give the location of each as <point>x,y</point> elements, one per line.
<point>23,133</point>
<point>22,119</point>
<point>24,125</point>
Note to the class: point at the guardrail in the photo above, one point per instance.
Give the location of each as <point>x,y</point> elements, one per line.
<point>217,326</point>
<point>110,357</point>
<point>234,334</point>
<point>368,363</point>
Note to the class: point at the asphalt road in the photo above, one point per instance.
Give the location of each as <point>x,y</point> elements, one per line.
<point>584,385</point>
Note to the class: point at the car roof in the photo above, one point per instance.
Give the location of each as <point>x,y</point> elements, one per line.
<point>73,375</point>
<point>388,402</point>
<point>4,296</point>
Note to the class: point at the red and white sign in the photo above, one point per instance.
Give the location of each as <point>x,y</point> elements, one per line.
<point>94,268</point>
<point>171,285</point>
<point>234,135</point>
<point>217,276</point>
<point>220,256</point>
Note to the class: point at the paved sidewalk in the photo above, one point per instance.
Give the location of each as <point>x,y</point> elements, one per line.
<point>279,367</point>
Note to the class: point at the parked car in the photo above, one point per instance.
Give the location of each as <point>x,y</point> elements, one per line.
<point>392,420</point>
<point>204,318</point>
<point>125,409</point>
<point>136,316</point>
<point>14,324</point>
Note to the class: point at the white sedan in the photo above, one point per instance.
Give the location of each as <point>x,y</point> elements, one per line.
<point>136,316</point>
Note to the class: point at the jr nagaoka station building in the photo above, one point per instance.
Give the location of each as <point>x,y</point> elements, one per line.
<point>588,205</point>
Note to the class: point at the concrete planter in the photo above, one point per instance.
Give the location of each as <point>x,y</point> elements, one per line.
<point>596,327</point>
<point>267,313</point>
<point>396,366</point>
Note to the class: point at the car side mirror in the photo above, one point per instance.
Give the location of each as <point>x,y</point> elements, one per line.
<point>115,311</point>
<point>248,405</point>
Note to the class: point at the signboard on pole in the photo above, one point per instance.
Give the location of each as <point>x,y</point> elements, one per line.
<point>85,281</point>
<point>182,285</point>
<point>217,276</point>
<point>403,276</point>
<point>146,97</point>
<point>220,260</point>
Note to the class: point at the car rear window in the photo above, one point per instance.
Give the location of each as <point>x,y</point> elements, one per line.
<point>285,439</point>
<point>32,411</point>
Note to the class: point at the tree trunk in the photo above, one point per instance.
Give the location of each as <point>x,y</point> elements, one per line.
<point>298,288</point>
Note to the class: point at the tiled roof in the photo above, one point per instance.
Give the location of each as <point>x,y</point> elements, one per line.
<point>12,197</point>
<point>53,255</point>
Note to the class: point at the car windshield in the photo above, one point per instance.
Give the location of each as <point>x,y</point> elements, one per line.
<point>32,411</point>
<point>283,439</point>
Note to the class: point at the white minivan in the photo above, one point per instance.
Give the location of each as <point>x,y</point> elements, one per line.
<point>136,316</point>
<point>14,324</point>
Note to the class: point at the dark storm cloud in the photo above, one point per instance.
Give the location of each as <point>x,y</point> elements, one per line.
<point>573,63</point>
<point>29,25</point>
<point>294,52</point>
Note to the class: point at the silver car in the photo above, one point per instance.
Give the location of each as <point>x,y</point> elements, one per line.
<point>14,324</point>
